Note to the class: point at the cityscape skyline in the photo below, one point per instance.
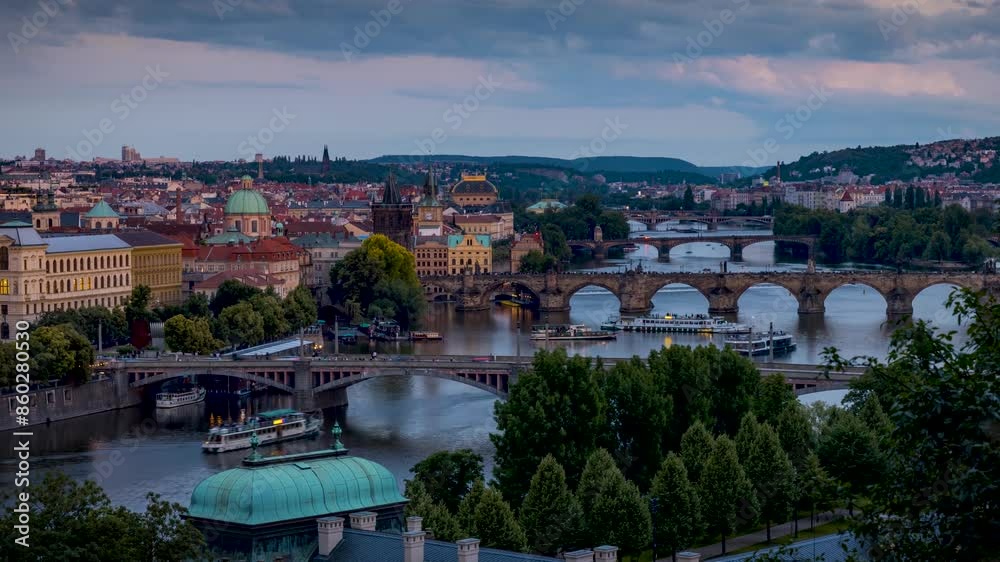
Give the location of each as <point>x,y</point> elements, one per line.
<point>710,83</point>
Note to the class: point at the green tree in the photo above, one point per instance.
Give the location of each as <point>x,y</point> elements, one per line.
<point>795,433</point>
<point>379,269</point>
<point>939,248</point>
<point>683,374</point>
<point>496,524</point>
<point>240,325</point>
<point>555,243</point>
<point>89,320</point>
<point>613,225</point>
<point>137,305</point>
<point>849,451</point>
<point>229,293</point>
<point>270,309</point>
<point>678,521</point>
<point>556,408</point>
<point>190,335</point>
<point>436,517</point>
<point>62,353</point>
<point>773,396</point>
<point>815,486</point>
<point>596,474</point>
<point>448,475</point>
<point>727,496</point>
<point>9,362</point>
<point>772,476</point>
<point>688,202</point>
<point>696,446</point>
<point>300,308</point>
<point>550,515</point>
<point>733,382</point>
<point>620,516</point>
<point>746,437</point>
<point>537,262</point>
<point>638,415</point>
<point>467,509</point>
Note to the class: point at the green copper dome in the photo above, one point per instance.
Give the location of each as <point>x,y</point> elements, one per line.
<point>297,489</point>
<point>102,211</point>
<point>247,202</point>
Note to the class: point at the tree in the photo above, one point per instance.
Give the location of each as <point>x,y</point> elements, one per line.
<point>89,320</point>
<point>436,517</point>
<point>300,308</point>
<point>537,262</point>
<point>76,520</point>
<point>727,496</point>
<point>137,305</point>
<point>60,351</point>
<point>688,202</point>
<point>613,225</point>
<point>556,408</point>
<point>448,475</point>
<point>496,524</point>
<point>555,243</point>
<point>815,486</point>
<point>187,335</point>
<point>678,521</point>
<point>229,293</point>
<point>550,515</point>
<point>938,499</point>
<point>613,510</point>
<point>773,396</point>
<point>772,476</point>
<point>939,248</point>
<point>795,433</point>
<point>271,311</point>
<point>683,374</point>
<point>747,436</point>
<point>638,415</point>
<point>696,446</point>
<point>849,451</point>
<point>467,509</point>
<point>9,362</point>
<point>379,269</point>
<point>240,325</point>
<point>733,382</point>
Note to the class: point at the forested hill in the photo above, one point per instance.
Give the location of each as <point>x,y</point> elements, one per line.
<point>975,159</point>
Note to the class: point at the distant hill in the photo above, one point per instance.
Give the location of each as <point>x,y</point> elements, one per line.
<point>613,164</point>
<point>974,159</point>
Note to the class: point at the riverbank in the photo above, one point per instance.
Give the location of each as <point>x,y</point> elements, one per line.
<point>57,403</point>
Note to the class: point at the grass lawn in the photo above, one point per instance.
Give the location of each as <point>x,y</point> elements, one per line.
<point>804,534</point>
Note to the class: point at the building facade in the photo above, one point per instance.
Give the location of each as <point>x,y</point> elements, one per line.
<point>431,255</point>
<point>156,263</point>
<point>522,246</point>
<point>472,252</point>
<point>392,217</point>
<point>474,191</point>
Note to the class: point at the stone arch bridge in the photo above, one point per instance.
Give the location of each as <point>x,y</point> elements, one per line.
<point>736,244</point>
<point>635,290</point>
<point>653,218</point>
<point>322,383</point>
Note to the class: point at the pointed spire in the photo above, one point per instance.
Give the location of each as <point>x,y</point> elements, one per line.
<point>391,195</point>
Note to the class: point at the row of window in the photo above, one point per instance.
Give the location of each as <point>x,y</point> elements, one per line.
<point>80,264</point>
<point>50,398</point>
<point>158,259</point>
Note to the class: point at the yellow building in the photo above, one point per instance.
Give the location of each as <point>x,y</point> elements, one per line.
<point>38,274</point>
<point>469,251</point>
<point>431,253</point>
<point>156,263</point>
<point>474,191</point>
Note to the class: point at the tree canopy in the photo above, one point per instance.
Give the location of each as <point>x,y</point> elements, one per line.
<point>382,273</point>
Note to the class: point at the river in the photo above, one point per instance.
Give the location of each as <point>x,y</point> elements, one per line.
<point>398,421</point>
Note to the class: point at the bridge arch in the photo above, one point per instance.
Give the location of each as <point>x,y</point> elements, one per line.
<point>437,292</point>
<point>790,299</point>
<point>932,298</point>
<point>594,308</point>
<point>868,291</point>
<point>496,383</point>
<point>660,296</point>
<point>490,292</point>
<point>137,381</point>
<point>806,242</point>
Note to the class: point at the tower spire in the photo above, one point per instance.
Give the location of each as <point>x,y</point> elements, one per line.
<point>392,196</point>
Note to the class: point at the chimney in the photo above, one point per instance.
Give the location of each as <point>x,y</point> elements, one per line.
<point>688,557</point>
<point>586,555</point>
<point>468,550</point>
<point>413,540</point>
<point>331,531</point>
<point>363,521</point>
<point>606,553</point>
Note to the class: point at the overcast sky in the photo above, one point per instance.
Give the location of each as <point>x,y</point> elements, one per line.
<point>710,81</point>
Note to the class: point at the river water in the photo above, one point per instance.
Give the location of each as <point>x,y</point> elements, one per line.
<point>399,421</point>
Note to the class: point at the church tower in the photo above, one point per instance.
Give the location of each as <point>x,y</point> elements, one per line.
<point>392,217</point>
<point>430,211</point>
<point>326,161</point>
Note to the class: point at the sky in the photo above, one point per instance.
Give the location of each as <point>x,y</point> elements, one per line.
<point>715,82</point>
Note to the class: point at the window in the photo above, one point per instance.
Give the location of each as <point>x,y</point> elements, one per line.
<point>67,396</point>
<point>50,397</point>
<point>4,286</point>
<point>4,258</point>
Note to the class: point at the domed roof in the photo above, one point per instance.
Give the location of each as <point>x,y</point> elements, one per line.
<point>474,185</point>
<point>297,489</point>
<point>102,211</point>
<point>247,202</point>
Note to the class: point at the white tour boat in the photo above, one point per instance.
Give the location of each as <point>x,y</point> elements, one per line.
<point>762,343</point>
<point>175,399</point>
<point>690,323</point>
<point>562,332</point>
<point>273,426</point>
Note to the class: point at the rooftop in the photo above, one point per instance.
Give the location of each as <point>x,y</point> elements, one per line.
<point>85,243</point>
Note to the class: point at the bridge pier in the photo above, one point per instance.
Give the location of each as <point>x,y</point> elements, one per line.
<point>712,225</point>
<point>305,399</point>
<point>810,301</point>
<point>663,254</point>
<point>635,302</point>
<point>736,252</point>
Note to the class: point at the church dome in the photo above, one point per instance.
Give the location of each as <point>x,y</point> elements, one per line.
<point>474,185</point>
<point>247,202</point>
<point>297,489</point>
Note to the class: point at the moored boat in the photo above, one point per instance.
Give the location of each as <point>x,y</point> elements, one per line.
<point>762,343</point>
<point>690,323</point>
<point>561,332</point>
<point>181,398</point>
<point>273,426</point>
<point>425,336</point>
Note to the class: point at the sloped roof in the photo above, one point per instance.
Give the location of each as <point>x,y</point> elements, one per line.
<point>102,211</point>
<point>85,243</point>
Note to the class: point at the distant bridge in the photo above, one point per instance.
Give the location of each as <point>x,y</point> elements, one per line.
<point>320,383</point>
<point>635,290</point>
<point>736,244</point>
<point>654,218</point>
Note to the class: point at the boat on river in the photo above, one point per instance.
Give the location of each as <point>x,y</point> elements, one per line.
<point>562,332</point>
<point>683,323</point>
<point>425,336</point>
<point>273,426</point>
<point>180,398</point>
<point>762,343</point>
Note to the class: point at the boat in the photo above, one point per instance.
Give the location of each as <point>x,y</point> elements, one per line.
<point>385,330</point>
<point>181,398</point>
<point>612,324</point>
<point>514,302</point>
<point>560,332</point>
<point>425,336</point>
<point>630,249</point>
<point>762,343</point>
<point>690,323</point>
<point>273,426</point>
